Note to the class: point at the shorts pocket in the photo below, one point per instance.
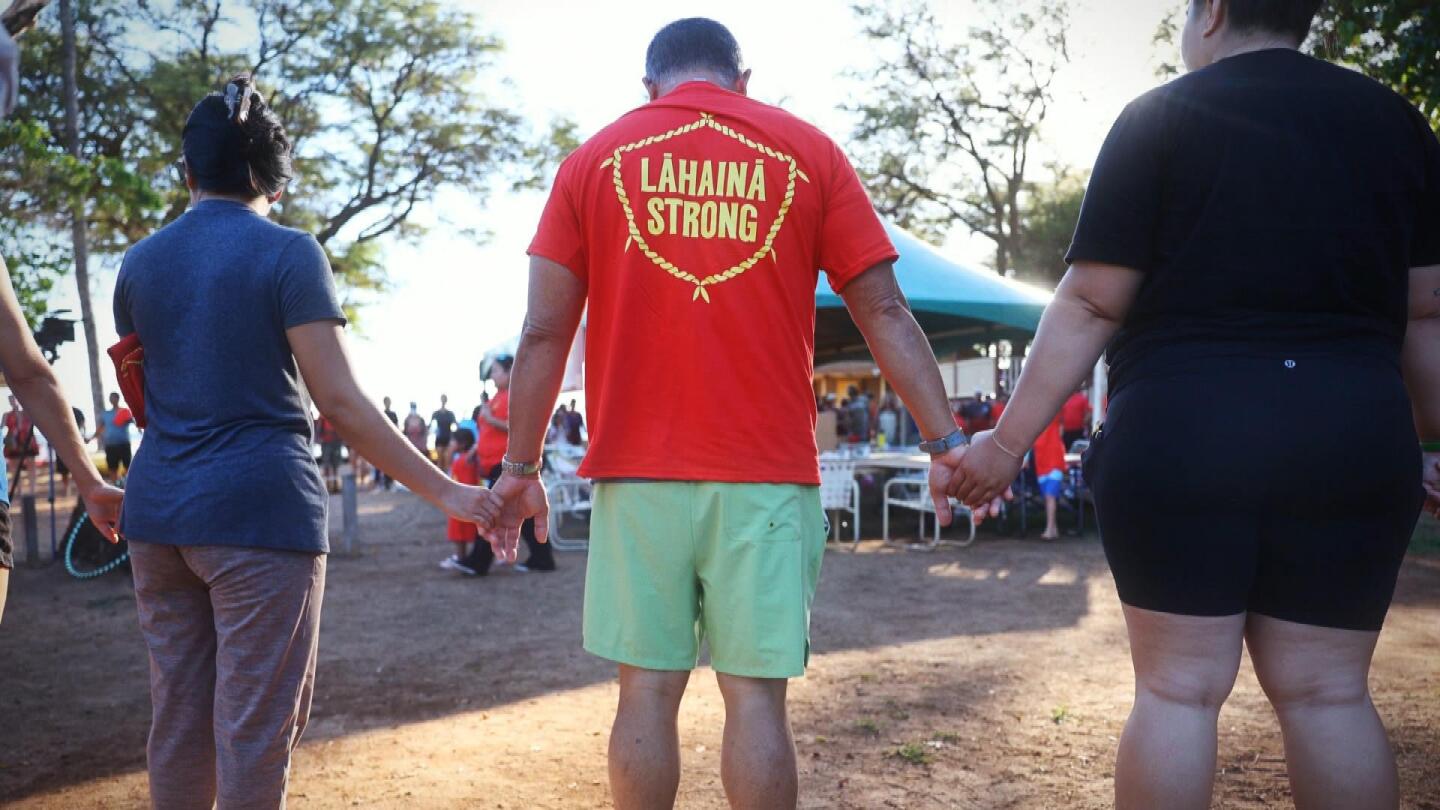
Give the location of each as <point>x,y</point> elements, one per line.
<point>763,514</point>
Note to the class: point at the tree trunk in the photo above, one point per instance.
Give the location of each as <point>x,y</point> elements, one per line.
<point>78,232</point>
<point>21,15</point>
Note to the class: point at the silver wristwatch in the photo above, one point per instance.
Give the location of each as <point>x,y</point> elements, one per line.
<point>521,469</point>
<point>945,444</point>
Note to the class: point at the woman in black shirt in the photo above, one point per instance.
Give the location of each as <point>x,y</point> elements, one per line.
<point>1267,224</point>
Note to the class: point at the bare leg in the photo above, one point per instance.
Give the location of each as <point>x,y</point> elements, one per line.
<point>757,763</point>
<point>1335,744</point>
<point>644,742</point>
<point>1185,667</point>
<point>1052,527</point>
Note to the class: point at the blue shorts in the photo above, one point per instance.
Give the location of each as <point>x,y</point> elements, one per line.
<point>1052,484</point>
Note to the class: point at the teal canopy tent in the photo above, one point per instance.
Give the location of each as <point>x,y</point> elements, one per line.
<point>956,305</point>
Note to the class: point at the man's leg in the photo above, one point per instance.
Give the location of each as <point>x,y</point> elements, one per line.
<point>267,619</point>
<point>757,763</point>
<point>644,742</point>
<point>176,620</point>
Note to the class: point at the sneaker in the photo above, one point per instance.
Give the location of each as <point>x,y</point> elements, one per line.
<point>449,563</point>
<point>464,569</point>
<point>521,568</point>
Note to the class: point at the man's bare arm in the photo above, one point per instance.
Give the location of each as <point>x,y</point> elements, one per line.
<point>557,300</point>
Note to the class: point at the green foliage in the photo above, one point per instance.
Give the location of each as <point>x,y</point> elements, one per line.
<point>1049,216</point>
<point>914,754</point>
<point>384,99</point>
<point>946,124</point>
<point>1396,42</point>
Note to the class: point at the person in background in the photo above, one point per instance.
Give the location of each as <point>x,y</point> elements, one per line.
<point>386,481</point>
<point>33,382</point>
<point>738,487</point>
<point>1075,418</point>
<point>556,433</point>
<point>114,432</point>
<point>443,421</point>
<point>1048,456</point>
<point>332,451</point>
<point>417,431</point>
<point>1266,223</point>
<point>887,420</point>
<point>858,416</point>
<point>225,510</point>
<point>464,469</point>
<point>490,453</point>
<point>21,446</point>
<point>574,425</point>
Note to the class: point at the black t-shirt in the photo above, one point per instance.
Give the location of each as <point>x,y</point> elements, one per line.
<point>393,417</point>
<point>444,421</point>
<point>1274,202</point>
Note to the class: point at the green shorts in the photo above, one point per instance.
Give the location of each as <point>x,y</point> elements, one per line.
<point>675,563</point>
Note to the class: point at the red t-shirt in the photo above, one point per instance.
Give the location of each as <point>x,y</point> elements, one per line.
<point>699,223</point>
<point>463,470</point>
<point>1049,450</point>
<point>490,448</point>
<point>1074,411</point>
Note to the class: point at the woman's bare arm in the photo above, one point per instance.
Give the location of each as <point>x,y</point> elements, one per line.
<point>319,349</point>
<point>34,384</point>
<point>1087,310</point>
<point>1421,361</point>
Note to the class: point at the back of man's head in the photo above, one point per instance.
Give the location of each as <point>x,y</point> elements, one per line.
<point>694,44</point>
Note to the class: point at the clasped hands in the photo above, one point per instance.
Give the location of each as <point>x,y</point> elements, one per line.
<point>977,475</point>
<point>500,512</point>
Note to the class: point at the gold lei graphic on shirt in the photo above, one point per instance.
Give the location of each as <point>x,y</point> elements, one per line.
<point>766,247</point>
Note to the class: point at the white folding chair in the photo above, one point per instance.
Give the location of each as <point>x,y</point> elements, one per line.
<point>912,492</point>
<point>570,499</point>
<point>840,492</point>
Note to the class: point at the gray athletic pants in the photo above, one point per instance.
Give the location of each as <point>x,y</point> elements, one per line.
<point>232,634</point>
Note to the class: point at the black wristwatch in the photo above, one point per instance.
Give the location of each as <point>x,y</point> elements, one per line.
<point>945,444</point>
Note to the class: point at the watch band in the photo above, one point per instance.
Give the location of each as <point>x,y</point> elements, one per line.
<point>521,469</point>
<point>944,444</point>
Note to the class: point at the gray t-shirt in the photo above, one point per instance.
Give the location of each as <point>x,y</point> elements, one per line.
<point>226,457</point>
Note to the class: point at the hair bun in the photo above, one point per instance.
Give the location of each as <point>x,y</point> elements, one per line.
<point>240,95</point>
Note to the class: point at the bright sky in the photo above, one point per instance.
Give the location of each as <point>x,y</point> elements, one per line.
<point>453,299</point>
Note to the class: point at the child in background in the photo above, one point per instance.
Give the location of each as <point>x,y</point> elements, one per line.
<point>465,469</point>
<point>1049,454</point>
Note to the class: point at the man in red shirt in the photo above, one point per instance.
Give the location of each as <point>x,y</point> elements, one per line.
<point>1074,417</point>
<point>694,228</point>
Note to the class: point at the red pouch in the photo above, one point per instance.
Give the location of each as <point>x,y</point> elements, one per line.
<point>129,358</point>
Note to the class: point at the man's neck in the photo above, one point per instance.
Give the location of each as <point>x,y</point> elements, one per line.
<point>1250,43</point>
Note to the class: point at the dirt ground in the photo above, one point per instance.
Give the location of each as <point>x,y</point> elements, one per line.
<point>989,677</point>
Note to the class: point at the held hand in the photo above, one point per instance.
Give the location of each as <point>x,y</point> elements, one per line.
<point>103,504</point>
<point>1431,478</point>
<point>476,505</point>
<point>523,498</point>
<point>944,474</point>
<point>984,476</point>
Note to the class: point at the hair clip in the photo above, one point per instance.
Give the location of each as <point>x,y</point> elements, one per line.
<point>238,95</point>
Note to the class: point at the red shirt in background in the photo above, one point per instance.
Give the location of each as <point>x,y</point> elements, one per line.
<point>997,408</point>
<point>465,470</point>
<point>699,223</point>
<point>325,432</point>
<point>490,448</point>
<point>1049,450</point>
<point>1075,411</point>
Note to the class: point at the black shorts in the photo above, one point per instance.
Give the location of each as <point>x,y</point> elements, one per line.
<point>1282,486</point>
<point>7,544</point>
<point>117,457</point>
